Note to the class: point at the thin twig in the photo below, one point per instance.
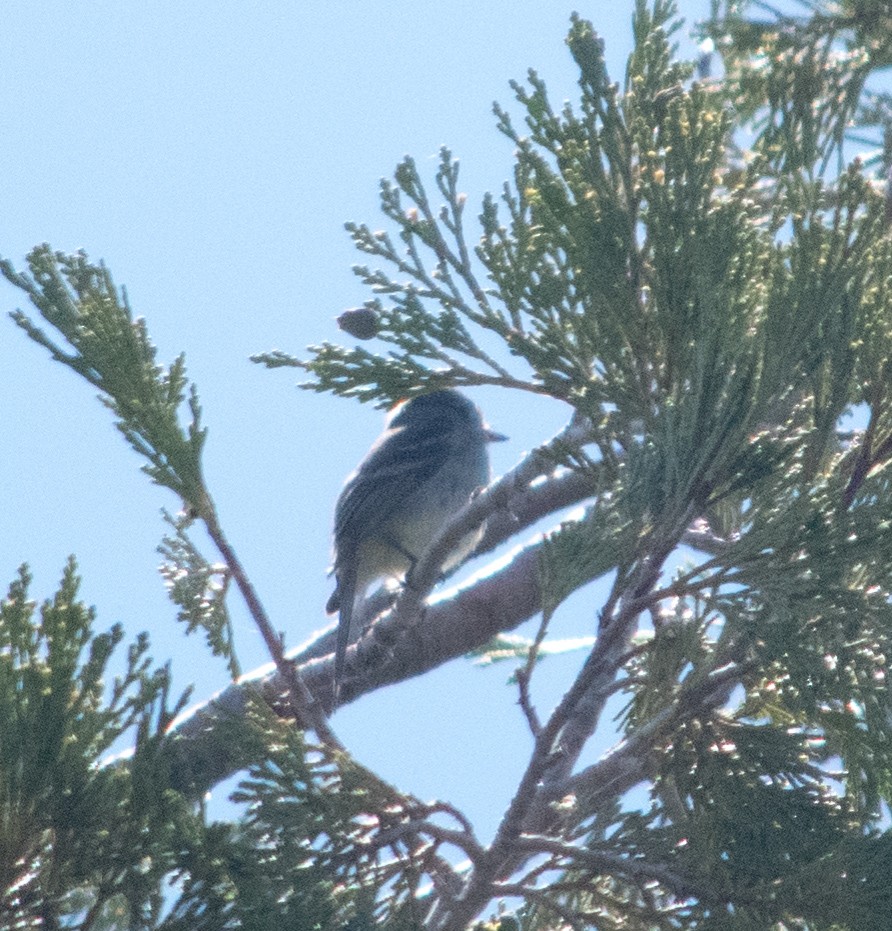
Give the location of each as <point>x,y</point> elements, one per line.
<point>446,808</point>
<point>541,898</point>
<point>604,862</point>
<point>307,710</point>
<point>524,674</point>
<point>467,843</point>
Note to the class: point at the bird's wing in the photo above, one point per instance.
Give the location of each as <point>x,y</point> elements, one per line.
<point>395,468</point>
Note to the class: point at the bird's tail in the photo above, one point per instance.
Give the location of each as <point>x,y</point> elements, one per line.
<point>346,598</point>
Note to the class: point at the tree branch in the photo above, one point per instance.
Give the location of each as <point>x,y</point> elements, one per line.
<point>559,742</point>
<point>307,711</point>
<point>601,862</point>
<point>394,649</point>
<point>625,766</point>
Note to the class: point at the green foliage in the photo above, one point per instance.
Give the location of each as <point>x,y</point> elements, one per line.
<point>78,838</point>
<point>512,647</point>
<point>89,840</point>
<point>408,322</point>
<point>804,79</point>
<point>303,855</point>
<point>113,352</point>
<point>199,589</point>
<point>713,318</point>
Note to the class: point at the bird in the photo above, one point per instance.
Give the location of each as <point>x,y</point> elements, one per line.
<point>425,467</point>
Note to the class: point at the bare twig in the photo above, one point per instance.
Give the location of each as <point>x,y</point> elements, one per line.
<point>465,842</point>
<point>524,674</point>
<point>446,808</point>
<point>307,710</point>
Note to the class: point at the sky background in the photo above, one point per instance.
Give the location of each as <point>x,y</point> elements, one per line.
<point>210,155</point>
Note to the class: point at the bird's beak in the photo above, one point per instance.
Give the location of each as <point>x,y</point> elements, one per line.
<point>493,437</point>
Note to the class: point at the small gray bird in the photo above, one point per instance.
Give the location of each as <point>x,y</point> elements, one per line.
<point>421,471</point>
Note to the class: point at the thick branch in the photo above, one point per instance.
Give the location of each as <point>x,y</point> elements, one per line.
<point>394,649</point>
<point>460,621</point>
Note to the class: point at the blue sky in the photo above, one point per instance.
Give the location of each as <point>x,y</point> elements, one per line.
<point>210,154</point>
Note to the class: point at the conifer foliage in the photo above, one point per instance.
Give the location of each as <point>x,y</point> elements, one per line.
<point>714,318</point>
